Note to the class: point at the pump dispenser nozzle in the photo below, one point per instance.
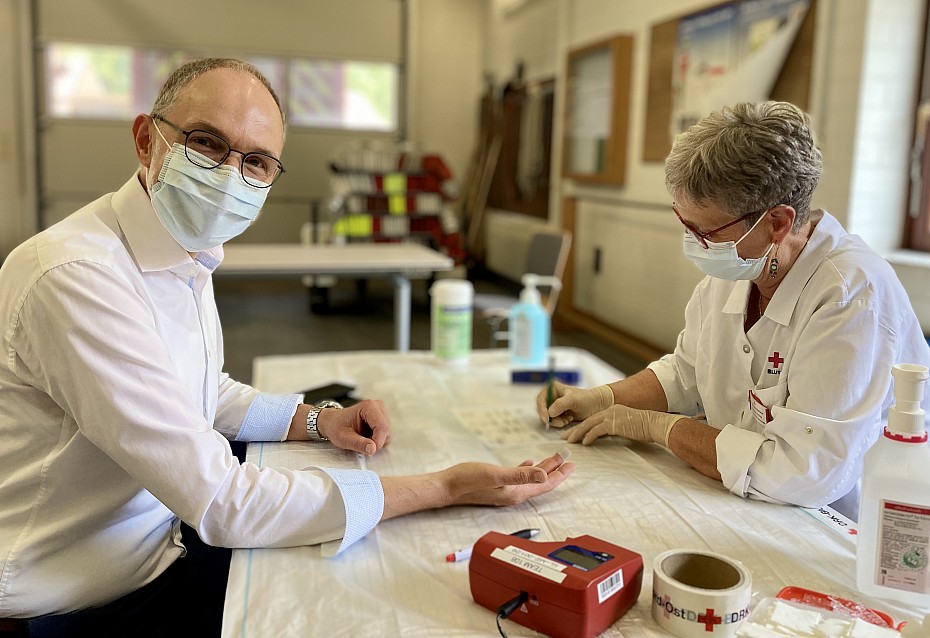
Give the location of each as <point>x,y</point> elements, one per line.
<point>906,417</point>
<point>530,281</point>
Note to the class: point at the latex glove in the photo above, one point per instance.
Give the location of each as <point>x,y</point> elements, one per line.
<point>571,404</point>
<point>621,420</point>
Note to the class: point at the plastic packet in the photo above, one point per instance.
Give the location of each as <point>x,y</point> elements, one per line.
<point>804,613</point>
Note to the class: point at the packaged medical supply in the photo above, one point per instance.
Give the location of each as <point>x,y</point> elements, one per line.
<point>777,618</point>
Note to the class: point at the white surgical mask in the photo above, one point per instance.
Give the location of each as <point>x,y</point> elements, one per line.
<point>203,207</point>
<point>721,260</point>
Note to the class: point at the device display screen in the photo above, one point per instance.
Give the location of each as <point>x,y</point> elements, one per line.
<point>579,557</point>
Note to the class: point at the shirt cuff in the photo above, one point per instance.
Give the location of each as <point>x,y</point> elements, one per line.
<point>664,369</point>
<point>363,497</point>
<point>269,417</point>
<point>736,451</point>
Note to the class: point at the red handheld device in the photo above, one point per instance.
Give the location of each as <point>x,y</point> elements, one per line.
<point>576,588</point>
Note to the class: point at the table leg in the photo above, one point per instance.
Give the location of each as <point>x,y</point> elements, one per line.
<point>402,313</point>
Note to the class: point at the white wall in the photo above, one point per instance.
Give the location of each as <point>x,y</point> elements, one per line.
<point>445,77</point>
<point>865,75</point>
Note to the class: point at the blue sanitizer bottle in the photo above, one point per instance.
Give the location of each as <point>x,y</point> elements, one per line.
<point>530,325</point>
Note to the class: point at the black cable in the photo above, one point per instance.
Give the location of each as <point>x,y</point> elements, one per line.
<point>504,611</point>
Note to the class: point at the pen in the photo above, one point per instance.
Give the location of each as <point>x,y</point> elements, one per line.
<point>549,389</point>
<point>465,554</point>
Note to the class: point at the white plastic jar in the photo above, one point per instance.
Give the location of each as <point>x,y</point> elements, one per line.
<point>451,319</point>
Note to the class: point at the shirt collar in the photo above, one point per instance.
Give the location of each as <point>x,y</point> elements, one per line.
<point>736,302</point>
<point>823,239</point>
<point>152,245</point>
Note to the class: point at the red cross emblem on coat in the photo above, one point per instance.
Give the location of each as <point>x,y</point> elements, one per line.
<point>776,360</point>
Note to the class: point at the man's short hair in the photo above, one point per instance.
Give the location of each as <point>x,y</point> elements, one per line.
<point>183,75</point>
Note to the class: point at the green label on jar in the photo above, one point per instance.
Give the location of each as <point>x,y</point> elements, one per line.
<point>451,332</point>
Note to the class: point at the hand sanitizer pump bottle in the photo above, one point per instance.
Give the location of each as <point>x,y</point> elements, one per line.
<point>530,325</point>
<point>893,545</point>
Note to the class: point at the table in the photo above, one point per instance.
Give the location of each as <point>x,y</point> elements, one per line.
<point>395,581</point>
<point>398,261</point>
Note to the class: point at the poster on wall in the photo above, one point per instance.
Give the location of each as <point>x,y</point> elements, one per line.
<point>731,53</point>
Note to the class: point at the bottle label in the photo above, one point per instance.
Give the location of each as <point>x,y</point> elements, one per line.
<point>904,544</point>
<point>452,331</point>
<point>522,336</point>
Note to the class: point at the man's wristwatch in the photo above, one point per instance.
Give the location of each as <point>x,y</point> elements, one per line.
<point>314,414</point>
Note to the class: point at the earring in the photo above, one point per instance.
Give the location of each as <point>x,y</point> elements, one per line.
<point>773,267</point>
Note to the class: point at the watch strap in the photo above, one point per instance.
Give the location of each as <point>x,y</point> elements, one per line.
<point>313,416</point>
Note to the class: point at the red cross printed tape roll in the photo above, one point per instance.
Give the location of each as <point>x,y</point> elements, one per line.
<point>699,594</point>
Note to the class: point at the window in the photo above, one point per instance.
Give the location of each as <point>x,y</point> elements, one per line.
<point>89,81</point>
<point>349,95</point>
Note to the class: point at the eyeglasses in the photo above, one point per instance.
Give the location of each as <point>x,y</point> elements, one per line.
<point>210,151</point>
<point>702,237</point>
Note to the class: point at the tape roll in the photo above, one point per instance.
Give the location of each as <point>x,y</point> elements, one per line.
<point>698,594</point>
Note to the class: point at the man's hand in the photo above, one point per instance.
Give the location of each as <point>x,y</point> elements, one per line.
<point>487,484</point>
<point>620,420</point>
<point>473,484</point>
<point>572,404</point>
<point>363,427</point>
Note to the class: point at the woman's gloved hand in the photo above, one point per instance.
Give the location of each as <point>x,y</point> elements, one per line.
<point>620,420</point>
<point>571,404</point>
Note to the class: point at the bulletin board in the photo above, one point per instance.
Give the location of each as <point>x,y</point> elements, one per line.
<point>792,84</point>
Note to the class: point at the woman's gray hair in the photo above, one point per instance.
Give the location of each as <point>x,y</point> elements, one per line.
<point>184,75</point>
<point>747,157</point>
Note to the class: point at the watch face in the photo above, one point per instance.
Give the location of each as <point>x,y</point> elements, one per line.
<point>328,404</point>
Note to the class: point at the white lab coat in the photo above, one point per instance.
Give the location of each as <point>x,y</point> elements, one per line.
<point>804,394</point>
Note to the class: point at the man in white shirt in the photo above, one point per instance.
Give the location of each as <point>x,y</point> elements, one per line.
<point>781,378</point>
<point>115,412</point>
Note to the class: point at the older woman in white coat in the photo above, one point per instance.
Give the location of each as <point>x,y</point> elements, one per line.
<point>781,378</point>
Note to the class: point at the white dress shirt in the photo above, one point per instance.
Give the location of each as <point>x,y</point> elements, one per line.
<point>802,396</point>
<point>113,413</point>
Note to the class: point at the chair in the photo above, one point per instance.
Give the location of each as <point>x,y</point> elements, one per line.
<point>546,255</point>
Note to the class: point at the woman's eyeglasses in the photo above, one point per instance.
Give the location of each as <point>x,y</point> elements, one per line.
<point>702,237</point>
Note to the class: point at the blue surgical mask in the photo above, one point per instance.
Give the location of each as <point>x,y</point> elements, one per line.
<point>721,260</point>
<point>203,207</point>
